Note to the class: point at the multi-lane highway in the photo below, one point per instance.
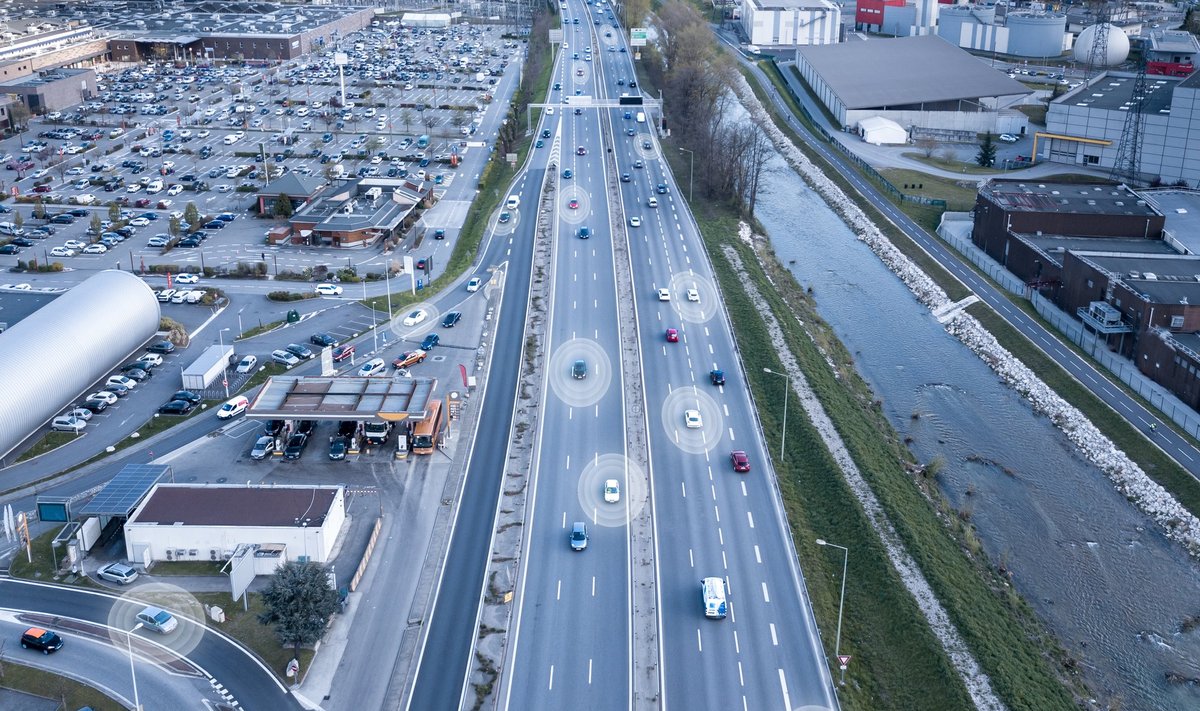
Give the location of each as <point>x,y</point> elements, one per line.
<point>572,639</point>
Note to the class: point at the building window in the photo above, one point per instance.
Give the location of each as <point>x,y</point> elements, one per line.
<point>1091,160</point>
<point>1176,322</point>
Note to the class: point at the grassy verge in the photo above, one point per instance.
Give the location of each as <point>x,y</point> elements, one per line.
<point>247,630</point>
<point>50,441</point>
<point>69,693</point>
<point>260,329</point>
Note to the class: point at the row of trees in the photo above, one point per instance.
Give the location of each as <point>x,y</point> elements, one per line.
<point>700,110</point>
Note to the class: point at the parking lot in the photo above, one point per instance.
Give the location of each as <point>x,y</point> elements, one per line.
<point>160,136</point>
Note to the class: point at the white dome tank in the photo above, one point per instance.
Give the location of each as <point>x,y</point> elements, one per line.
<point>1118,45</point>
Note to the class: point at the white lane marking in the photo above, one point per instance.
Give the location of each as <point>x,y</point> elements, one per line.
<point>683,488</point>
<point>569,466</point>
<point>552,676</point>
<point>699,644</point>
<point>787,701</point>
<point>744,493</point>
<point>726,406</point>
<point>757,555</point>
<point>717,513</point>
<point>564,523</point>
<point>774,637</point>
<point>750,517</point>
<point>731,437</point>
<point>589,671</point>
<point>720,536</point>
<point>737,647</point>
<point>558,591</point>
<point>691,558</point>
<point>766,595</point>
<point>724,561</point>
<point>713,488</point>
<point>741,677</point>
<point>593,586</point>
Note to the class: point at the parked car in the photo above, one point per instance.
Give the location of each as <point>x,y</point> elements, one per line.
<point>162,347</point>
<point>342,353</point>
<point>247,364</point>
<point>67,423</point>
<point>187,395</point>
<point>117,573</point>
<point>262,448</point>
<point>295,446</point>
<point>299,351</point>
<point>283,357</point>
<point>323,340</point>
<point>176,407</point>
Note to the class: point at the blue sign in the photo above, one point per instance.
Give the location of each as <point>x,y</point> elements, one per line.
<point>420,284</point>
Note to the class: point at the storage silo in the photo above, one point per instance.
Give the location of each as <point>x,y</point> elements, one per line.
<point>69,344</point>
<point>1036,34</point>
<point>950,21</point>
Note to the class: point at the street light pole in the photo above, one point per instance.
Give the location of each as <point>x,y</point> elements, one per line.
<point>224,375</point>
<point>691,171</point>
<point>837,645</point>
<point>787,388</point>
<point>137,705</point>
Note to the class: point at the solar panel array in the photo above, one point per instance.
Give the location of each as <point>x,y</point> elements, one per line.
<point>125,490</point>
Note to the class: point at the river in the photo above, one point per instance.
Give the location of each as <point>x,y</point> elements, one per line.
<point>1101,575</point>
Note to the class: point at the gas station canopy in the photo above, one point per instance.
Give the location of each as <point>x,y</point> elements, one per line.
<point>342,398</point>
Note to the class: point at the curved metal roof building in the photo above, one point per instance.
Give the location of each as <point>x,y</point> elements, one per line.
<point>67,345</point>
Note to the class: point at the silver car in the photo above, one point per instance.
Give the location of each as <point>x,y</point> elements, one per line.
<point>117,573</point>
<point>262,448</point>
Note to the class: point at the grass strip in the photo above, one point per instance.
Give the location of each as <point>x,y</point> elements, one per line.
<point>69,693</point>
<point>50,441</point>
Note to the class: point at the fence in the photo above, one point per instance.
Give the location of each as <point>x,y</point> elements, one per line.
<point>1094,346</point>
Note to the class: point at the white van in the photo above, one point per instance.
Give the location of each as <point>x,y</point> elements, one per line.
<point>194,297</point>
<point>9,228</point>
<point>641,117</point>
<point>233,408</point>
<point>513,202</point>
<point>713,592</point>
<point>154,186</point>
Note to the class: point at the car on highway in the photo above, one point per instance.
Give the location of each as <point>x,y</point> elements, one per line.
<point>117,573</point>
<point>372,367</point>
<point>739,460</point>
<point>693,295</point>
<point>716,377</point>
<point>283,357</point>
<point>672,335</point>
<point>661,189</point>
<point>329,290</point>
<point>188,279</point>
<point>585,232</point>
<point>42,640</point>
<point>635,221</point>
<point>415,317</point>
<point>504,218</point>
<point>664,294</point>
<point>176,407</point>
<point>566,174</point>
<point>581,151</point>
<point>692,419</point>
<point>474,284</point>
<point>342,353</point>
<point>579,369</point>
<point>579,536</point>
<point>245,365</point>
<point>157,620</point>
<point>263,446</point>
<point>612,491</point>
<point>451,318</point>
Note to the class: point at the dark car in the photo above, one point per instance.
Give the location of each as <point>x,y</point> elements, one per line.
<point>323,339</point>
<point>22,242</point>
<point>579,369</point>
<point>187,395</point>
<point>42,640</point>
<point>176,407</point>
<point>661,189</point>
<point>10,249</point>
<point>79,212</point>
<point>306,427</point>
<point>96,405</point>
<point>342,353</point>
<point>65,218</point>
<point>117,389</point>
<point>741,463</point>
<point>274,428</point>
<point>585,232</point>
<point>191,242</point>
<point>295,446</point>
<point>337,448</point>
<point>215,225</point>
<point>299,351</point>
<point>450,319</point>
<point>135,372</point>
<point>717,377</point>
<point>161,347</point>
<point>430,342</point>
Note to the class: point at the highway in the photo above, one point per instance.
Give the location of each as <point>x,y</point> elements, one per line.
<point>249,681</point>
<point>572,620</point>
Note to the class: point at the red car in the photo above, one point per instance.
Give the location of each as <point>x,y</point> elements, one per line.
<point>341,353</point>
<point>741,463</point>
<point>672,336</point>
<point>142,202</point>
<point>44,188</point>
<point>574,204</point>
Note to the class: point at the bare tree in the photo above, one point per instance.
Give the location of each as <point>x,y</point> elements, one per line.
<point>927,146</point>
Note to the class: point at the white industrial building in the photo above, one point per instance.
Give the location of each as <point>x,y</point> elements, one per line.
<point>1021,34</point>
<point>879,131</point>
<point>426,19</point>
<point>280,523</point>
<point>791,23</point>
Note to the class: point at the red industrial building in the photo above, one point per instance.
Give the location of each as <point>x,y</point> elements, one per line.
<point>868,14</point>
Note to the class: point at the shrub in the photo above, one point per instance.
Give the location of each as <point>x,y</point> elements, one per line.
<point>290,296</point>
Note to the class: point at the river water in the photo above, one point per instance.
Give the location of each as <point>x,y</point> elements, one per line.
<point>1100,574</point>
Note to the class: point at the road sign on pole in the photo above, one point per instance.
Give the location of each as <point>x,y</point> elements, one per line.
<point>637,36</point>
<point>843,661</point>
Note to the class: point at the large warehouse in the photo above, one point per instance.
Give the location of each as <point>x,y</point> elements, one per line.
<point>68,345</point>
<point>922,82</point>
<point>1084,127</point>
